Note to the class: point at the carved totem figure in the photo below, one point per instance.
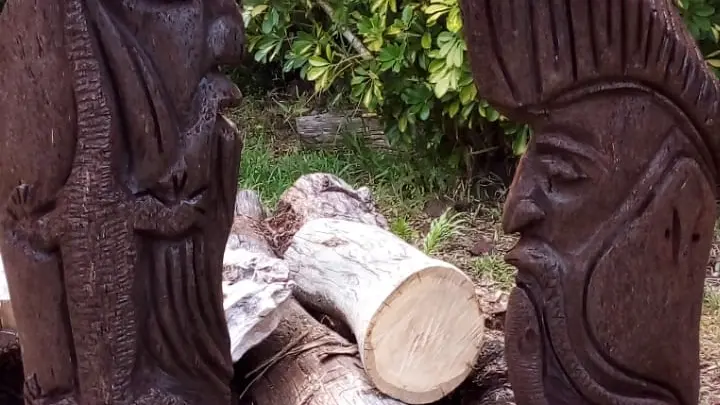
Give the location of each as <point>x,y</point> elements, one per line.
<point>614,199</point>
<point>118,178</point>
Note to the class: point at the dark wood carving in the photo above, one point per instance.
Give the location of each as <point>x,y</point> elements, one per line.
<point>117,182</point>
<point>614,200</point>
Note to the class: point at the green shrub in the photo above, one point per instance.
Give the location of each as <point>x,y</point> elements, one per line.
<point>405,60</point>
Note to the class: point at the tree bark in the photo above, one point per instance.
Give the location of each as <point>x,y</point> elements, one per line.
<point>301,362</point>
<point>328,130</point>
<point>320,195</point>
<point>403,306</point>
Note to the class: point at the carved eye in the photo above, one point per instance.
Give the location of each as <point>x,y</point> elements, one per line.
<point>561,170</point>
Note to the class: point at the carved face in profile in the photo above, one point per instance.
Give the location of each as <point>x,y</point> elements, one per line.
<point>187,39</point>
<point>165,57</point>
<point>609,207</point>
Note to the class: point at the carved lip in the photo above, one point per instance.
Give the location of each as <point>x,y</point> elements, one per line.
<point>532,258</point>
<point>228,92</point>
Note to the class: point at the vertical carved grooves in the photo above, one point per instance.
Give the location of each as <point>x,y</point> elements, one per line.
<point>202,313</point>
<point>675,235</point>
<point>209,314</point>
<point>178,334</point>
<point>497,51</point>
<point>93,119</point>
<point>624,39</point>
<point>164,341</point>
<point>618,36</point>
<point>648,45</point>
<point>534,34</point>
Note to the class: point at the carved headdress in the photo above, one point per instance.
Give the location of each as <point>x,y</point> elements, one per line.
<point>614,200</point>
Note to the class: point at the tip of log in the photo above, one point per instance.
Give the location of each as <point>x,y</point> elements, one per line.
<point>7,320</point>
<point>423,342</point>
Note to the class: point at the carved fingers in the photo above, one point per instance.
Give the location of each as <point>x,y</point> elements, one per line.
<point>166,219</point>
<point>23,218</point>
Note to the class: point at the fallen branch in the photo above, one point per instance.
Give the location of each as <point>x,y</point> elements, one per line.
<point>302,362</point>
<point>327,130</point>
<point>402,306</point>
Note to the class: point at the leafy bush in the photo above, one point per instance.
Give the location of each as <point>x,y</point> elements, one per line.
<point>405,60</point>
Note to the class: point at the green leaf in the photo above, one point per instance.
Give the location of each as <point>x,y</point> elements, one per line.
<point>259,9</point>
<point>520,142</point>
<point>456,56</point>
<point>704,10</point>
<point>714,62</point>
<point>315,72</point>
<point>425,112</point>
<point>467,94</point>
<point>426,41</point>
<point>402,123</point>
<point>492,115</point>
<point>437,65</point>
<point>318,61</point>
<point>435,8</point>
<point>453,109</point>
<point>441,87</point>
<point>454,20</point>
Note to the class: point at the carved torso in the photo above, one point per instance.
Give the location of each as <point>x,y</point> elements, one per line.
<point>104,228</point>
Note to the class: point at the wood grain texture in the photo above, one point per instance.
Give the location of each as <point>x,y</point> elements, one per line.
<point>128,229</point>
<point>614,199</point>
<point>301,362</point>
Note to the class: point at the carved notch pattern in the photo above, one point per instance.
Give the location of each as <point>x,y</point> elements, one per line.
<point>614,199</point>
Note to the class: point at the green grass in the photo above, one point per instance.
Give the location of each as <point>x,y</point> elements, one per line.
<point>712,301</point>
<point>493,267</point>
<point>442,229</point>
<point>401,181</point>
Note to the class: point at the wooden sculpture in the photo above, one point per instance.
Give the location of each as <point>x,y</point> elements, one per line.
<point>117,182</point>
<point>614,199</point>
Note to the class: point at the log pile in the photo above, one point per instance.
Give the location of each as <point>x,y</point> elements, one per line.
<point>325,306</point>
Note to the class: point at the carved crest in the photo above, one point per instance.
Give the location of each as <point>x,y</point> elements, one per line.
<point>614,199</point>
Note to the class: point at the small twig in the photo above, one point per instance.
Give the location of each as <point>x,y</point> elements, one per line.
<point>355,42</point>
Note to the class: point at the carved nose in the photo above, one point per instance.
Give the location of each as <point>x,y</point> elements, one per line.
<point>521,215</point>
<point>226,39</point>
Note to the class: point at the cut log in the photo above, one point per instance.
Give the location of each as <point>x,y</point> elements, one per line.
<point>417,320</point>
<point>256,287</point>
<point>328,130</point>
<point>7,319</point>
<point>255,305</point>
<point>324,195</point>
<point>489,385</point>
<point>301,362</point>
<point>304,363</point>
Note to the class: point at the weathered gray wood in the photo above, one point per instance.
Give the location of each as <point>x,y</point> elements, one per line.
<point>328,130</point>
<point>305,362</point>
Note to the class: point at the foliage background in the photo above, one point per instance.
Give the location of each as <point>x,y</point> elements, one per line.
<point>406,61</point>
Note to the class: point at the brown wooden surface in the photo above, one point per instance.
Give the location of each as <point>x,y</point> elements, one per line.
<point>118,179</point>
<point>614,199</point>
